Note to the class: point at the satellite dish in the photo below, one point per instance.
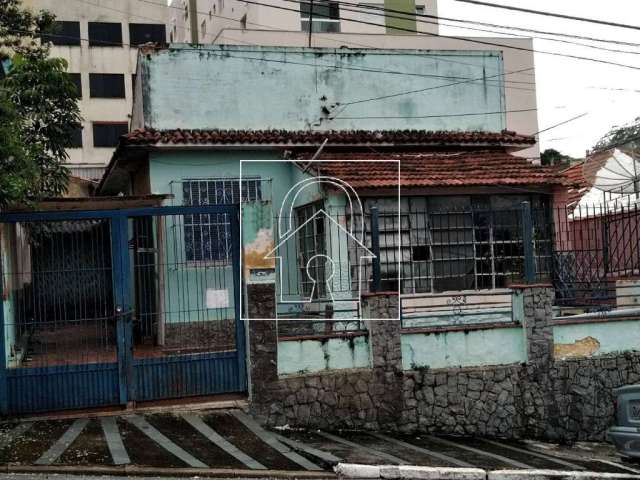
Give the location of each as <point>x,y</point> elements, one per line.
<point>614,176</point>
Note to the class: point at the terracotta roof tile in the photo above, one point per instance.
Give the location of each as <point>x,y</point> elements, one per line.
<point>347,137</point>
<point>436,169</point>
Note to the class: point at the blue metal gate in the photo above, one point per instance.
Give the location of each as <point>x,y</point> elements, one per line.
<point>110,307</point>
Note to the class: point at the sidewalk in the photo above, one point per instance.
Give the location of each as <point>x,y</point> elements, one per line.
<point>229,443</point>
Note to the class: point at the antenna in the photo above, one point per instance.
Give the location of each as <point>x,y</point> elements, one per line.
<point>615,173</point>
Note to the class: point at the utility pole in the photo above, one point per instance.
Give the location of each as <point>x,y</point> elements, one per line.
<point>193,20</point>
<point>310,21</point>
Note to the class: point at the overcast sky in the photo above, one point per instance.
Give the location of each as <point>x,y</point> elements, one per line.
<point>567,87</point>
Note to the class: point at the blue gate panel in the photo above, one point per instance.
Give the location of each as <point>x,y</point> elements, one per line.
<point>60,388</point>
<point>188,375</point>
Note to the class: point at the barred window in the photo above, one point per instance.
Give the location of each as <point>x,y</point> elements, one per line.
<point>207,236</point>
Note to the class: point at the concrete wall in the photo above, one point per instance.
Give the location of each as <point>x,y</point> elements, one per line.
<point>469,348</point>
<point>311,355</point>
<point>219,85</point>
<point>585,340</point>
<point>84,59</point>
<point>545,398</point>
<point>514,59</point>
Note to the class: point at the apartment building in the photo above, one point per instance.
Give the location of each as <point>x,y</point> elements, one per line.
<point>322,16</point>
<point>98,39</point>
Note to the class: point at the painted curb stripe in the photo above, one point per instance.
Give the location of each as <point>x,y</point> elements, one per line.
<point>372,451</point>
<point>614,464</point>
<point>426,451</point>
<point>321,454</point>
<point>62,443</point>
<point>506,460</point>
<point>551,458</point>
<point>214,437</point>
<point>119,454</point>
<point>272,441</point>
<point>158,437</point>
<point>15,432</point>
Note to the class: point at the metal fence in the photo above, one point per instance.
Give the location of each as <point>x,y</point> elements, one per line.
<point>596,258</point>
<point>590,256</point>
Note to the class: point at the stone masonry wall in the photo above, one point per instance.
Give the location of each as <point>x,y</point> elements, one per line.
<point>546,399</point>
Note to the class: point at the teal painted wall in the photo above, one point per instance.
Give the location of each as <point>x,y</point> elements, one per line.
<point>463,349</point>
<point>307,356</point>
<point>249,87</point>
<point>613,337</point>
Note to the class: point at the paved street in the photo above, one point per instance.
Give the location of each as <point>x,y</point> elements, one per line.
<point>231,440</point>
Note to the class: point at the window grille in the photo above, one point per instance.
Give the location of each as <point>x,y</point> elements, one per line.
<point>208,236</point>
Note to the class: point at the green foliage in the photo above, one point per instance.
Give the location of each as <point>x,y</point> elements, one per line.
<point>39,109</point>
<point>626,137</point>
<point>552,156</point>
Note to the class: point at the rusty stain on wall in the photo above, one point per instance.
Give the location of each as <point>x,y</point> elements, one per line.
<point>585,347</point>
<point>256,251</point>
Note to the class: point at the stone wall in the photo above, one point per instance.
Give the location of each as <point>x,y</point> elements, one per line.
<point>546,399</point>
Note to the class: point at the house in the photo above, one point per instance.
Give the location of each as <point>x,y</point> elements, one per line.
<point>189,141</point>
<point>597,231</point>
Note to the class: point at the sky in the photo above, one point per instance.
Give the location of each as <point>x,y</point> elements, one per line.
<point>567,87</point>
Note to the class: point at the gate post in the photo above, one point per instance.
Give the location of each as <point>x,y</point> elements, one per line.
<point>4,394</point>
<point>122,306</point>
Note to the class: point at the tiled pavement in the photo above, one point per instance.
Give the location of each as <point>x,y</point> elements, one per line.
<point>231,440</point>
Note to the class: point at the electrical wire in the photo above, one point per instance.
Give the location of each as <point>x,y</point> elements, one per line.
<point>463,39</point>
<point>552,14</point>
<point>418,17</point>
<point>438,116</point>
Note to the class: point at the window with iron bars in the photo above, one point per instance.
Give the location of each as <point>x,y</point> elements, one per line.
<point>457,242</point>
<point>311,241</point>
<point>207,236</point>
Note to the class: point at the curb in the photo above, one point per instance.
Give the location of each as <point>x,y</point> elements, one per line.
<point>371,472</point>
<point>350,470</point>
<point>555,475</point>
<point>168,472</point>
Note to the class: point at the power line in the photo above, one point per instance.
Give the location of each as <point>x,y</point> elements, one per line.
<point>463,39</point>
<point>562,123</point>
<point>551,14</point>
<point>437,116</point>
<point>406,15</point>
<point>409,92</point>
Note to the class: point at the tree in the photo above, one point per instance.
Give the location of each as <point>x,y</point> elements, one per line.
<point>38,109</point>
<point>626,136</point>
<point>552,156</point>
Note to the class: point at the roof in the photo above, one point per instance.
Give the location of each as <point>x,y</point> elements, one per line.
<point>334,137</point>
<point>579,178</point>
<point>438,169</point>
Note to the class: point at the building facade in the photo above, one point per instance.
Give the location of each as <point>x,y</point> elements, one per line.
<point>215,16</point>
<point>98,39</point>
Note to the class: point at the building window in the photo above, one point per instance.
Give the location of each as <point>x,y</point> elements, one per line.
<point>325,18</point>
<point>76,78</point>
<point>105,34</point>
<point>457,242</point>
<point>108,134</point>
<point>76,138</point>
<point>140,33</point>
<point>311,239</point>
<point>64,33</point>
<point>106,85</point>
<point>207,237</point>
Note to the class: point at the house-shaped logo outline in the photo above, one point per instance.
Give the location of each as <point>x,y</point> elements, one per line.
<point>273,254</point>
